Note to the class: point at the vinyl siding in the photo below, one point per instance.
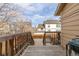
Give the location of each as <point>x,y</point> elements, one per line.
<point>69,23</point>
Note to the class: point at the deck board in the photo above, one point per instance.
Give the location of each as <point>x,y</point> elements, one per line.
<point>44,51</point>
<point>39,50</point>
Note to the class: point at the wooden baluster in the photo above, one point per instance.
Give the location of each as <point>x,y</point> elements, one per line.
<point>59,37</point>
<point>4,48</point>
<point>8,48</point>
<point>56,38</point>
<point>53,39</point>
<point>27,37</point>
<point>21,41</point>
<point>44,39</point>
<point>12,46</point>
<point>31,39</point>
<point>0,48</point>
<point>16,43</point>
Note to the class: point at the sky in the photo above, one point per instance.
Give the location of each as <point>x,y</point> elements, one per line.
<point>37,13</point>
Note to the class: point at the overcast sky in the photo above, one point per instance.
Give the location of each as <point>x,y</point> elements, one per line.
<point>39,12</point>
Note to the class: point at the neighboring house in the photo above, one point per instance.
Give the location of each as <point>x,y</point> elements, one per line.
<point>69,13</point>
<point>40,28</point>
<point>34,29</point>
<point>52,25</point>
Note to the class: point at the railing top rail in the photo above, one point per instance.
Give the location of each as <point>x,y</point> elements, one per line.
<point>10,36</point>
<point>54,32</point>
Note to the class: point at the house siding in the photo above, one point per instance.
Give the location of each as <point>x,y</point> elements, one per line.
<point>69,23</point>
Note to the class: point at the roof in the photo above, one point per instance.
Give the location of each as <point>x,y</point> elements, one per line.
<point>51,21</point>
<point>60,8</point>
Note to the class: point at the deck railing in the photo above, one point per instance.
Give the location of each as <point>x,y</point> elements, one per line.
<point>54,37</point>
<point>11,45</point>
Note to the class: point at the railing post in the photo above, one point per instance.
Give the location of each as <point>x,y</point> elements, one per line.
<point>12,46</point>
<point>70,50</point>
<point>0,48</point>
<point>66,49</point>
<point>54,38</point>
<point>59,38</point>
<point>44,39</point>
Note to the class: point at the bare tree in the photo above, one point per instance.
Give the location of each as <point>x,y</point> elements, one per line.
<point>10,15</point>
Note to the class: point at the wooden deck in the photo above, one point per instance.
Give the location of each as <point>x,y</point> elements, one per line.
<point>40,50</point>
<point>44,51</point>
<point>24,44</point>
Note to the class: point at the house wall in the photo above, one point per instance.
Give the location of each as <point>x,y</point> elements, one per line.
<point>69,23</point>
<point>50,27</point>
<point>40,30</point>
